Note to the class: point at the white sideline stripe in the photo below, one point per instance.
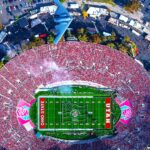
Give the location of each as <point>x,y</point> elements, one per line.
<point>57,129</point>
<point>54,96</point>
<point>38,114</point>
<point>72,82</point>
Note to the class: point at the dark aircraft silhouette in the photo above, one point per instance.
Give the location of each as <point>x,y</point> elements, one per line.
<point>63,20</point>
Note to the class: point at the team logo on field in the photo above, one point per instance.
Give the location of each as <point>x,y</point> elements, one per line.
<point>75,113</point>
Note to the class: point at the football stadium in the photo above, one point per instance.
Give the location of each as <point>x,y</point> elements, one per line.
<point>74,96</point>
<point>75,112</point>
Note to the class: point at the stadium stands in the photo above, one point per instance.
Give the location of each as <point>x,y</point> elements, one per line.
<point>47,64</point>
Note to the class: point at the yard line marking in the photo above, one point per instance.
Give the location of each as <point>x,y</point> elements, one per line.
<point>67,129</point>
<point>54,96</point>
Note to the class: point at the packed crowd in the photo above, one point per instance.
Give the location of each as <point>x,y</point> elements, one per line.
<point>47,64</point>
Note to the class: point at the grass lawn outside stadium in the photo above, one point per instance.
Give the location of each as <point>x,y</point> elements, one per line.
<point>75,112</point>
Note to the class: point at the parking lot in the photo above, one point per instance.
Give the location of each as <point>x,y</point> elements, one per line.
<point>10,9</point>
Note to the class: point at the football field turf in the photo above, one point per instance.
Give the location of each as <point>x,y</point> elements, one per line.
<point>72,113</point>
<point>75,112</point>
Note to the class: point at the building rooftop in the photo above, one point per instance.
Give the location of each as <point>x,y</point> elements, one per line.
<point>147,37</point>
<point>97,11</point>
<point>3,34</point>
<point>23,22</point>
<point>135,24</point>
<point>35,22</point>
<point>51,9</point>
<point>113,21</point>
<point>136,33</point>
<point>114,15</point>
<point>39,29</point>
<point>123,18</point>
<point>73,5</point>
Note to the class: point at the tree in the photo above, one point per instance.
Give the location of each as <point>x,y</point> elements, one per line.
<point>62,1</point>
<point>82,5</point>
<point>6,59</point>
<point>82,34</point>
<point>69,33</point>
<point>105,1</point>
<point>126,39</point>
<point>84,14</point>
<point>16,18</point>
<point>113,34</point>
<point>96,38</point>
<point>1,64</point>
<point>31,45</point>
<point>25,47</point>
<point>30,1</point>
<point>80,31</point>
<point>35,42</point>
<point>50,39</point>
<point>123,48</point>
<point>134,49</point>
<point>1,26</point>
<point>111,45</point>
<point>62,39</point>
<point>104,39</point>
<point>112,37</point>
<point>83,37</point>
<point>133,6</point>
<point>39,41</point>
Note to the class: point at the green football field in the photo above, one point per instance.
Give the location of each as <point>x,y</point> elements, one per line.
<point>75,114</point>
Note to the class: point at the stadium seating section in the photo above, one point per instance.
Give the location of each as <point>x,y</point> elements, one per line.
<point>73,61</point>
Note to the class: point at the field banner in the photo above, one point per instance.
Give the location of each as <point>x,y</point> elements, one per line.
<point>42,113</point>
<point>126,112</point>
<point>108,113</point>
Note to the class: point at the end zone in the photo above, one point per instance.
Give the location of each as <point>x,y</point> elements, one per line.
<point>42,113</point>
<point>108,113</point>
